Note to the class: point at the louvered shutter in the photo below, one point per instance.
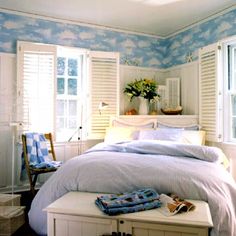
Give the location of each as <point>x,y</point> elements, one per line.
<point>162,92</point>
<point>104,87</point>
<point>210,97</point>
<point>173,92</point>
<point>36,86</point>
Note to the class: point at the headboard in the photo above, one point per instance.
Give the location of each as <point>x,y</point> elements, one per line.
<point>154,121</point>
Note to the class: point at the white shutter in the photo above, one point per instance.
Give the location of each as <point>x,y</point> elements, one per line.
<point>162,92</point>
<point>173,92</point>
<point>36,86</point>
<point>210,97</point>
<point>104,87</point>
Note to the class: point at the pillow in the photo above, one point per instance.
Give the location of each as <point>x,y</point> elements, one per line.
<point>177,135</point>
<point>193,137</point>
<point>120,134</point>
<point>161,134</point>
<point>189,127</point>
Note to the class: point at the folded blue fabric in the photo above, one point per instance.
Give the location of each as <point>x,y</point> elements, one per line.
<point>47,165</point>
<point>143,199</point>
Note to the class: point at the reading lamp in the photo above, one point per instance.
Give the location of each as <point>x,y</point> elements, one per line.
<point>101,106</point>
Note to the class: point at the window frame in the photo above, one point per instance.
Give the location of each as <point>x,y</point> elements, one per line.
<point>88,108</point>
<point>227,91</point>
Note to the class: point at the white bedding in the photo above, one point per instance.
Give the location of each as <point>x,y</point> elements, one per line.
<point>190,171</point>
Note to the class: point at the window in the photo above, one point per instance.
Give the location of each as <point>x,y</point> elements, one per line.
<point>218,90</point>
<point>71,72</point>
<point>230,90</point>
<point>59,89</point>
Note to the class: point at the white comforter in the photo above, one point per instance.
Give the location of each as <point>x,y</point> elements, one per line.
<point>190,171</point>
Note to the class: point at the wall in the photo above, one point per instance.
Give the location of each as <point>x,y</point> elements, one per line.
<point>179,46</point>
<point>188,73</point>
<point>134,49</point>
<point>137,50</point>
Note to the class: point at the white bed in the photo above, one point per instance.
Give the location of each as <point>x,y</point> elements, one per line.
<point>175,166</point>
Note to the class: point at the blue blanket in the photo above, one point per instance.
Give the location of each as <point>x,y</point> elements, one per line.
<point>37,153</point>
<point>37,150</point>
<point>140,200</point>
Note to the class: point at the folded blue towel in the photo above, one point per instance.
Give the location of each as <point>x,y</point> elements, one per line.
<point>143,199</point>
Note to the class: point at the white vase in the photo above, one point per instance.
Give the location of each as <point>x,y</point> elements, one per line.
<point>143,106</point>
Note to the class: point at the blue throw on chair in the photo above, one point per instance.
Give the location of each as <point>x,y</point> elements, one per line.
<point>37,151</point>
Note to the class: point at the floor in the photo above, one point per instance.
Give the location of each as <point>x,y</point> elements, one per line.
<point>25,230</point>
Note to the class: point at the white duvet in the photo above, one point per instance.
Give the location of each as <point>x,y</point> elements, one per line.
<point>190,171</point>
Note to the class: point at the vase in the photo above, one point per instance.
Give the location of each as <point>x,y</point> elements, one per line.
<point>143,106</point>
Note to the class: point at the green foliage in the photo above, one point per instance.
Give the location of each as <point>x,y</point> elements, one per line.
<point>146,88</point>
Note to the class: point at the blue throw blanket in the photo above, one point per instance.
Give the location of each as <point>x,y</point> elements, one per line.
<point>37,153</point>
<point>37,150</point>
<point>140,200</point>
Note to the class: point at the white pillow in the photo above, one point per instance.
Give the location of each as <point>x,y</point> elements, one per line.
<point>178,135</point>
<point>161,134</point>
<point>120,134</point>
<point>194,137</point>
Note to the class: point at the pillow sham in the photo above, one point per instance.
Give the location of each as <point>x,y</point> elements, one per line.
<point>120,134</point>
<point>161,134</point>
<point>188,127</point>
<point>194,137</point>
<point>177,135</point>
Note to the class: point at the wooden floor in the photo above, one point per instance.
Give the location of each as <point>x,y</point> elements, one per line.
<point>25,230</point>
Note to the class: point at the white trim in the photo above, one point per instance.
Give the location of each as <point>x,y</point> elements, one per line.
<point>8,54</point>
<point>143,68</point>
<point>180,66</point>
<point>73,22</point>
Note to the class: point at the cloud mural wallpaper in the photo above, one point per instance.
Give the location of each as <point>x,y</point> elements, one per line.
<point>135,49</point>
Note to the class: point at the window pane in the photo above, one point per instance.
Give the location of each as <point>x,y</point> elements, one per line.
<point>60,85</point>
<point>233,102</point>
<point>72,67</point>
<point>234,127</point>
<point>73,108</point>
<point>61,61</point>
<point>60,123</point>
<point>61,107</point>
<point>72,123</point>
<point>72,86</point>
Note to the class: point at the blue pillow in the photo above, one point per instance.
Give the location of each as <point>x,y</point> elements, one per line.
<point>191,127</point>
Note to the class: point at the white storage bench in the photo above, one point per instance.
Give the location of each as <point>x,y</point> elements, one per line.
<point>75,214</point>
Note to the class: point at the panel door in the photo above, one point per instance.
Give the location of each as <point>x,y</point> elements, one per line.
<point>147,229</point>
<point>65,225</point>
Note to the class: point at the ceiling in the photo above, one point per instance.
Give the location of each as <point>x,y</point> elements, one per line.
<point>155,17</point>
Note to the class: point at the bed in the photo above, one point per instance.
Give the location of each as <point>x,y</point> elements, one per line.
<point>168,159</point>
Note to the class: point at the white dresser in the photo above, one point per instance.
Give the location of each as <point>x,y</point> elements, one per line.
<point>75,214</point>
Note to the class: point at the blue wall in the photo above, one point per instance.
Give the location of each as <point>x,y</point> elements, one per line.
<point>134,49</point>
<point>189,41</point>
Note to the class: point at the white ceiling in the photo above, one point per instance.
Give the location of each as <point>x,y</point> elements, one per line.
<point>143,16</point>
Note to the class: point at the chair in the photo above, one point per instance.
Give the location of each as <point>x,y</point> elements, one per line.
<point>33,172</point>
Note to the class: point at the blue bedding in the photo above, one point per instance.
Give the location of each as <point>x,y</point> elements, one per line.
<point>190,171</point>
